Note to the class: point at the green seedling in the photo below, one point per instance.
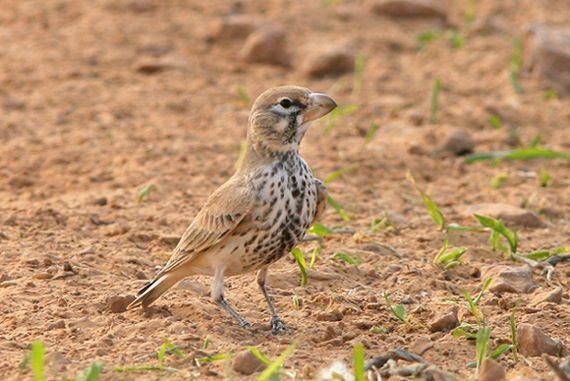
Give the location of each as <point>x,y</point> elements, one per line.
<point>434,99</point>
<point>542,254</point>
<point>90,374</point>
<point>347,258</point>
<point>429,36</point>
<point>316,252</point>
<point>339,209</point>
<point>378,330</point>
<point>498,181</point>
<point>468,17</point>
<point>168,346</point>
<point>320,230</point>
<point>339,173</point>
<point>483,336</point>
<point>339,111</point>
<point>474,303</point>
<point>495,122</point>
<point>518,154</point>
<point>432,208</point>
<point>449,259</point>
<point>515,65</point>
<point>127,369</point>
<point>499,229</point>
<point>144,192</point>
<point>370,133</point>
<point>358,74</point>
<point>296,302</point>
<point>298,254</point>
<point>494,355</point>
<point>23,365</point>
<point>456,228</point>
<point>275,366</point>
<point>469,331</point>
<point>37,354</point>
<point>399,311</point>
<point>514,332</point>
<point>544,177</point>
<point>359,362</point>
<point>242,95</point>
<point>206,343</point>
<point>536,141</point>
<point>551,94</point>
<point>456,38</point>
<point>203,360</point>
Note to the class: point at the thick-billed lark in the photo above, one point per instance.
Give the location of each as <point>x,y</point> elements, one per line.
<point>262,212</point>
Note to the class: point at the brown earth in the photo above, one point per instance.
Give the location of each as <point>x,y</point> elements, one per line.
<point>100,99</point>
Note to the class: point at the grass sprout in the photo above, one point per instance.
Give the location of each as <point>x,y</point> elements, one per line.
<point>514,332</point>
<point>144,192</point>
<point>296,302</point>
<point>496,122</point>
<point>275,366</point>
<point>358,355</point>
<point>320,230</point>
<point>244,99</point>
<point>339,111</point>
<point>370,133</point>
<point>399,310</point>
<point>339,209</point>
<point>37,355</point>
<point>518,154</point>
<point>515,65</point>
<point>432,208</point>
<point>346,258</point>
<point>316,252</point>
<point>499,229</point>
<point>298,254</point>
<point>358,74</point>
<point>544,177</point>
<point>483,336</point>
<point>339,173</point>
<point>434,99</point>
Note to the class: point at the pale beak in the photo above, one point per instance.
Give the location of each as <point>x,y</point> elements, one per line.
<point>319,106</point>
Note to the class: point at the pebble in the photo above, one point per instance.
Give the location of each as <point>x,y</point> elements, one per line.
<point>550,55</point>
<point>99,201</point>
<point>63,275</point>
<point>532,341</point>
<point>509,279</point>
<point>21,182</point>
<point>87,250</point>
<point>334,315</point>
<point>510,214</point>
<point>155,65</point>
<point>267,46</point>
<point>458,143</point>
<point>549,296</point>
<point>491,371</point>
<point>11,103</point>
<point>235,27</point>
<point>60,324</point>
<point>118,303</point>
<point>409,8</point>
<point>323,60</point>
<point>247,363</point>
<point>444,322</point>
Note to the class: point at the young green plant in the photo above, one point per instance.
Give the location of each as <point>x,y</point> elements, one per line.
<point>432,208</point>
<point>434,99</point>
<point>399,311</point>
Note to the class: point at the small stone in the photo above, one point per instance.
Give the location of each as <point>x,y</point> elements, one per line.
<point>331,333</point>
<point>409,8</point>
<point>552,212</point>
<point>60,324</point>
<point>549,296</point>
<point>21,182</point>
<point>101,352</point>
<point>118,303</point>
<point>155,65</point>
<point>491,371</point>
<point>509,279</point>
<point>53,269</point>
<point>100,201</point>
<point>141,6</point>
<point>443,322</point>
<point>87,250</point>
<point>11,103</point>
<point>55,358</point>
<point>43,276</point>
<point>140,275</point>
<point>267,46</point>
<point>550,55</point>
<point>10,221</point>
<point>8,283</point>
<point>67,267</point>
<point>322,60</point>
<point>511,215</point>
<point>532,341</point>
<point>458,143</point>
<point>247,363</point>
<point>63,275</point>
<point>235,27</point>
<point>334,315</point>
<point>421,346</point>
<point>169,240</point>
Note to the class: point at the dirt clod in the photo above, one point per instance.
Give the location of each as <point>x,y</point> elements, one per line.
<point>532,341</point>
<point>246,362</point>
<point>267,45</point>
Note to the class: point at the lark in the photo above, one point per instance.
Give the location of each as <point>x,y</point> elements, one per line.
<point>262,212</point>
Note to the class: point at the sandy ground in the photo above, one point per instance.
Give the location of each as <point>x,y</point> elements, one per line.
<point>83,131</point>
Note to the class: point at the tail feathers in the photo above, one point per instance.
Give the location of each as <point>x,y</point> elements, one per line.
<point>152,291</point>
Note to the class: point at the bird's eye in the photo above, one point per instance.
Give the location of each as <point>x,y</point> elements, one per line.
<point>286,103</point>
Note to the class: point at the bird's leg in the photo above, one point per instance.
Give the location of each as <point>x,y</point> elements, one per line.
<point>218,295</point>
<point>277,325</point>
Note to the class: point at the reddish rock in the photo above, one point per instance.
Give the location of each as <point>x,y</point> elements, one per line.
<point>267,46</point>
<point>409,8</point>
<point>509,279</point>
<point>532,341</point>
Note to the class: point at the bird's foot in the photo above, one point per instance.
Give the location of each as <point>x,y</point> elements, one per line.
<point>277,325</point>
<point>244,323</point>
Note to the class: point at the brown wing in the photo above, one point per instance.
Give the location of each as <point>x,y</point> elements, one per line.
<point>322,196</point>
<point>223,211</point>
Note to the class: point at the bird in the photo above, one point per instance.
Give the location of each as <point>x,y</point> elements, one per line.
<point>262,212</point>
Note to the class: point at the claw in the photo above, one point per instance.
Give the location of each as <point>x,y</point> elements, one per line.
<point>277,326</point>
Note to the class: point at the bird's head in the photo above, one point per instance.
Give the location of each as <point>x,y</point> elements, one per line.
<point>281,115</point>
